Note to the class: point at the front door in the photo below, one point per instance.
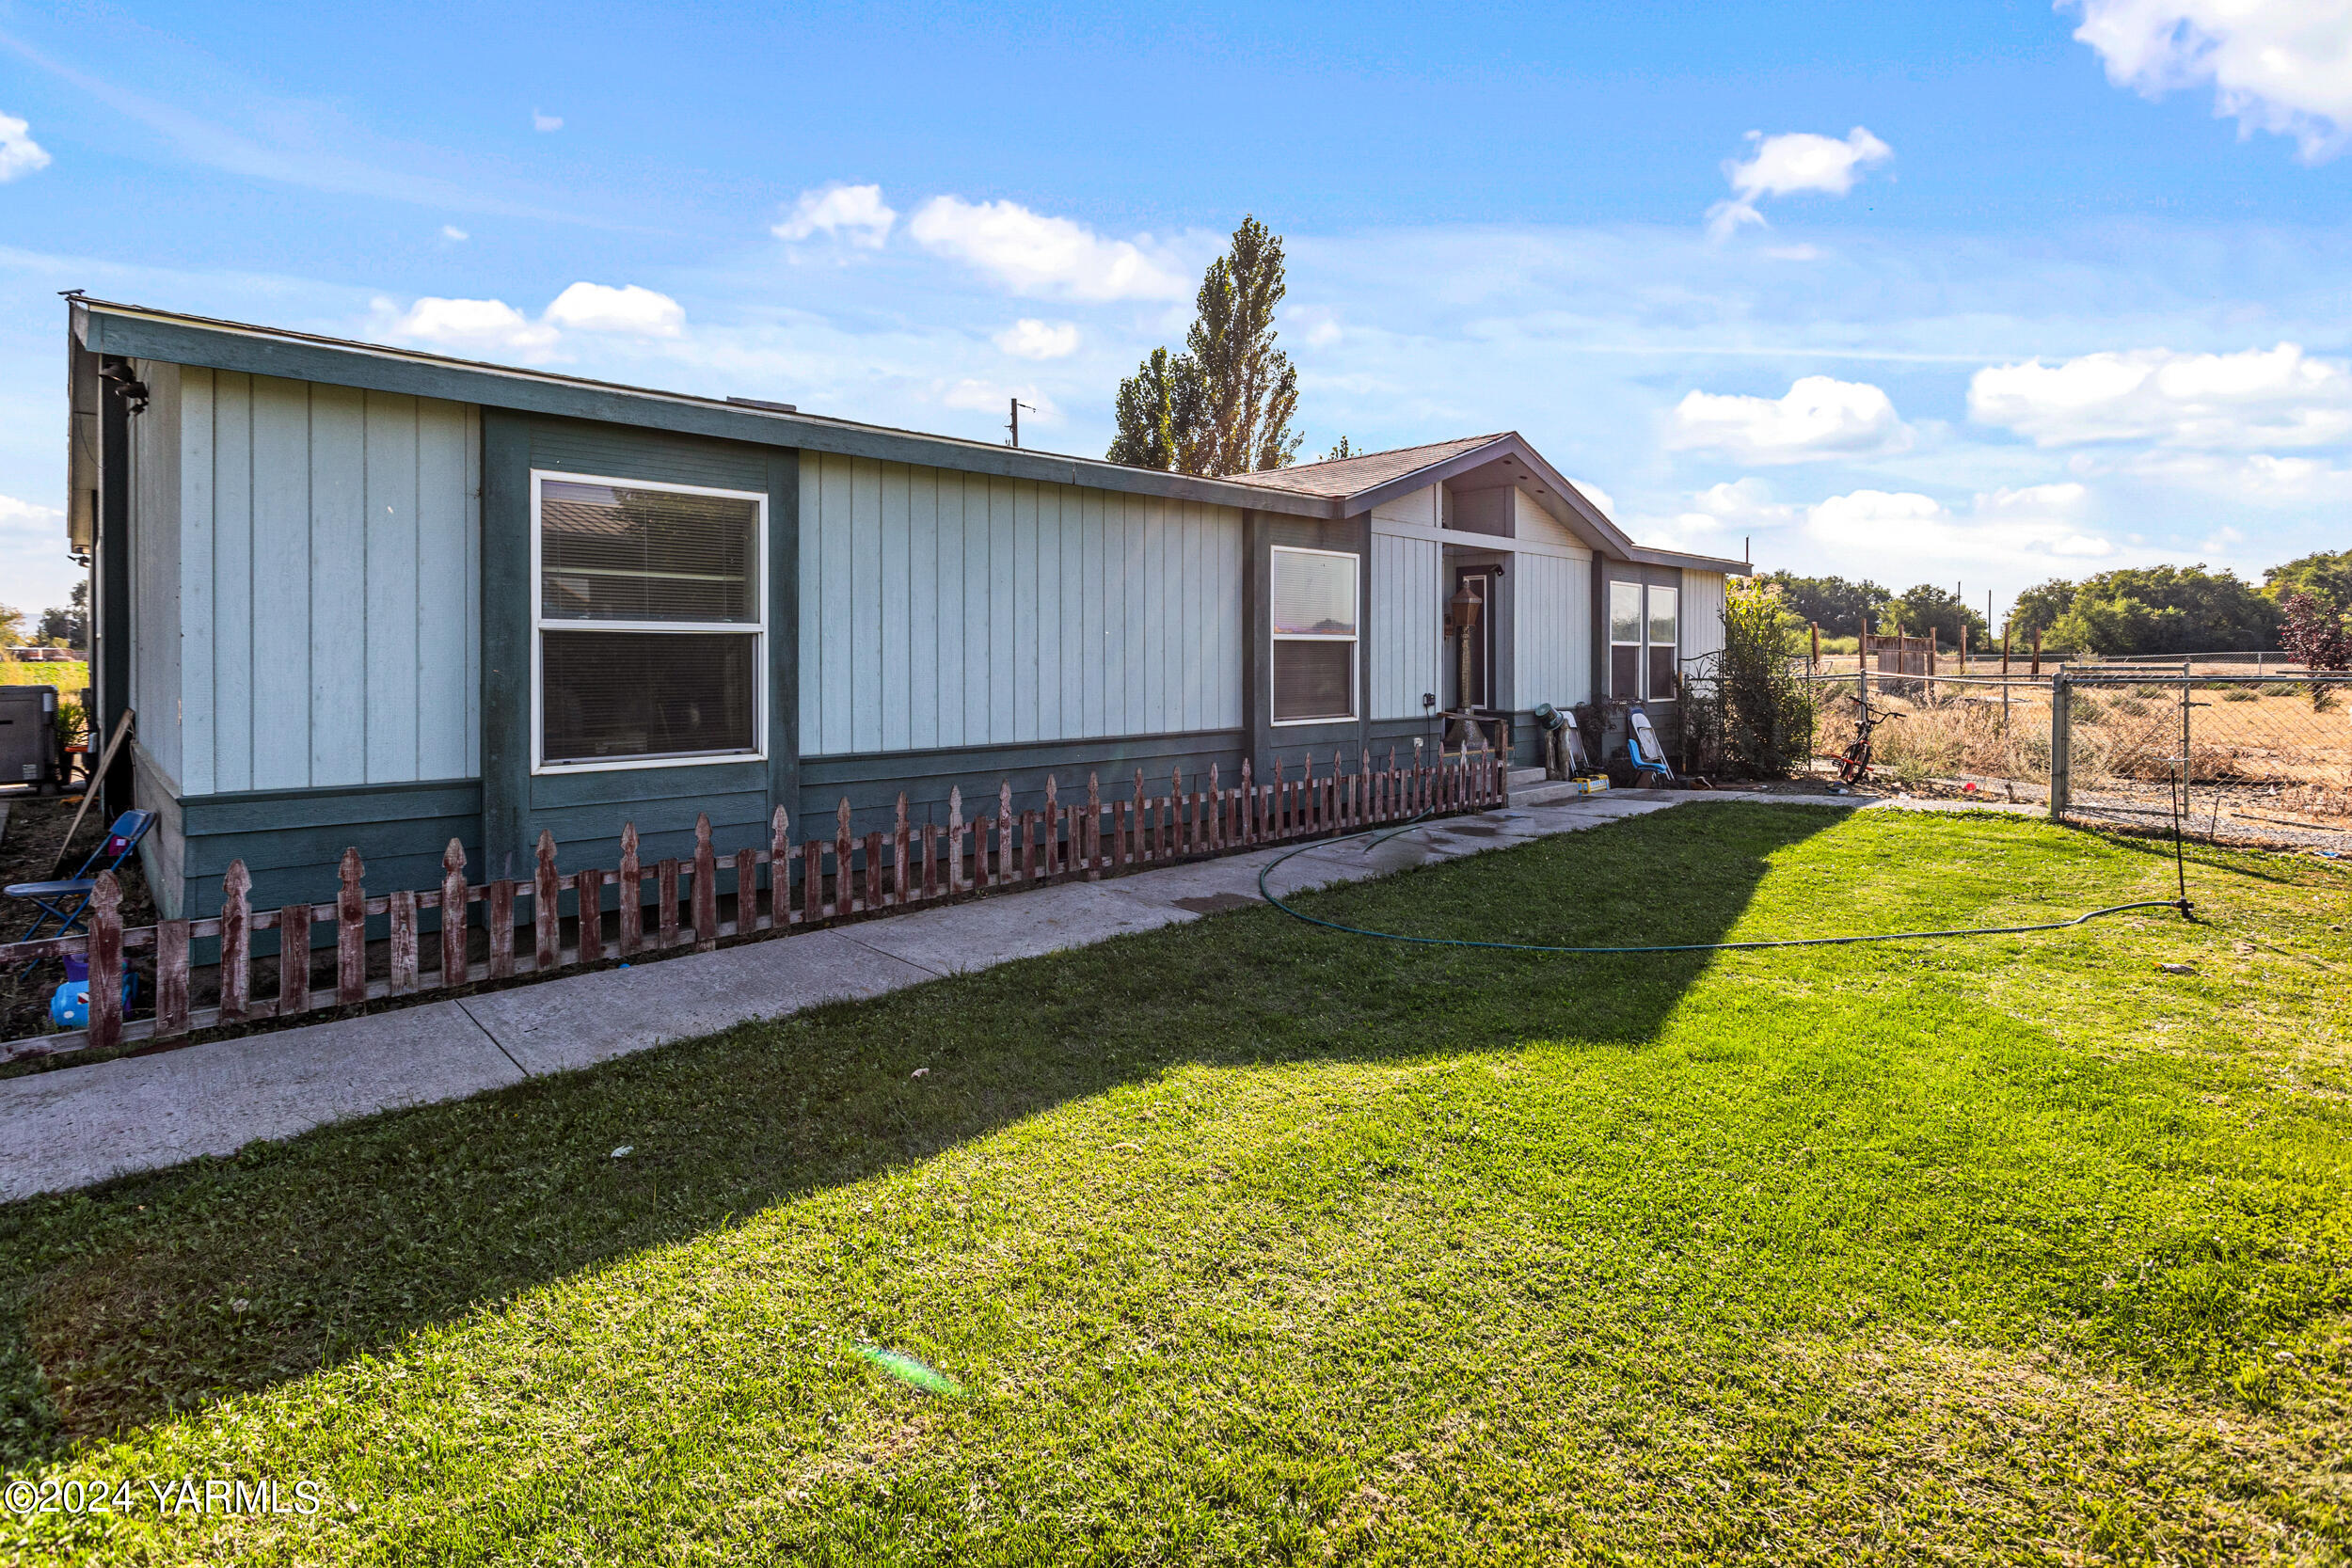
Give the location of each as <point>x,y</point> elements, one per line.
<point>1480,671</point>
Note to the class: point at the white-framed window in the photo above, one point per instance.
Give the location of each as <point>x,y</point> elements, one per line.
<point>1665,605</point>
<point>1625,641</point>
<point>1645,627</point>
<point>650,624</point>
<point>1315,600</point>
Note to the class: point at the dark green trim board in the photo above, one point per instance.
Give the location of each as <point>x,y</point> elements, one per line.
<point>110,641</point>
<point>584,811</point>
<point>1261,534</point>
<point>505,630</point>
<point>784,625</point>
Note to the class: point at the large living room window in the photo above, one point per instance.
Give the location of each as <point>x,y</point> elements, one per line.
<point>1315,636</point>
<point>650,604</point>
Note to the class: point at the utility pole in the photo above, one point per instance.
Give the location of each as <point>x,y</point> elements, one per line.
<point>1013,423</point>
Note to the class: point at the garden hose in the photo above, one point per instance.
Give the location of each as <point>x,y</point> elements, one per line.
<point>1382,835</point>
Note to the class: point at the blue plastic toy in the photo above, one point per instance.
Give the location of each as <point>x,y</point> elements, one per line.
<point>68,1005</point>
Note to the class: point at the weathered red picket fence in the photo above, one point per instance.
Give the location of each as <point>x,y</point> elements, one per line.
<point>817,881</point>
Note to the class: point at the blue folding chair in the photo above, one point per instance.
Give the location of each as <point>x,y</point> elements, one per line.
<point>66,901</point>
<point>1640,745</point>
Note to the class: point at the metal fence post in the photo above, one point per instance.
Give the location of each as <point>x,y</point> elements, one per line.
<point>2062,740</point>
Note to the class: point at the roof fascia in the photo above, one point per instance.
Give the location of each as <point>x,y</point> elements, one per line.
<point>104,327</point>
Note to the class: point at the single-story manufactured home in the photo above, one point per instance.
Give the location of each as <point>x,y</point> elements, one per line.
<point>361,595</point>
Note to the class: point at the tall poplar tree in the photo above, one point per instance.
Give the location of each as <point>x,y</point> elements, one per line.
<point>1224,405</point>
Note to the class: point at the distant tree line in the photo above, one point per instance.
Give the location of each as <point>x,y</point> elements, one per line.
<point>65,626</point>
<point>2139,609</point>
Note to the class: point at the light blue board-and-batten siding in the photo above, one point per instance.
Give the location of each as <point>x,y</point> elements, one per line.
<point>329,586</point>
<point>1554,629</point>
<point>1407,616</point>
<point>948,610</point>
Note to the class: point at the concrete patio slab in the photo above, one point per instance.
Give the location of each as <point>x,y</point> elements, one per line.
<point>68,1129</point>
<point>963,937</point>
<point>586,1018</point>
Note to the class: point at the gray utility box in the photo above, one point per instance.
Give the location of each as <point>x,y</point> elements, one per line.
<point>28,737</point>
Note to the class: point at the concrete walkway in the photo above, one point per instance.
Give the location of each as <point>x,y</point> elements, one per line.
<point>74,1126</point>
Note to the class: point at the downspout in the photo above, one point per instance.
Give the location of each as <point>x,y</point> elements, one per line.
<point>110,596</point>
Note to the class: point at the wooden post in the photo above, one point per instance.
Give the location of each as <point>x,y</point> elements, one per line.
<point>1052,826</point>
<point>171,978</point>
<point>1007,868</point>
<point>2005,650</point>
<point>931,860</point>
<point>546,906</point>
<point>898,891</point>
<point>2061,746</point>
<point>874,869</point>
<point>588,897</point>
<point>812,882</point>
<point>1094,830</point>
<point>1964,647</point>
<point>665,892</point>
<point>844,857</point>
<point>706,886</point>
<point>780,870</point>
<point>351,935</point>
<point>105,962</point>
<point>400,919</point>
<point>954,839</point>
<point>498,918</point>
<point>2037,653</point>
<point>453,916</point>
<point>633,895</point>
<point>746,891</point>
<point>236,944</point>
<point>1277,805</point>
<point>1813,661</point>
<point>294,959</point>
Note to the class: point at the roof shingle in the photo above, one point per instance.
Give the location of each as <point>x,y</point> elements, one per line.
<point>1349,476</point>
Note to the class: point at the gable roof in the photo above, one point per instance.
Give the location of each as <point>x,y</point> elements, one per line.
<point>1349,476</point>
<point>1359,484</point>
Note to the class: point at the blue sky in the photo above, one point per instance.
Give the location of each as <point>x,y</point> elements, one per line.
<point>1979,292</point>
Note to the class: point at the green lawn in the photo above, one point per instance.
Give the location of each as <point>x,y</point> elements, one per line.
<point>1250,1243</point>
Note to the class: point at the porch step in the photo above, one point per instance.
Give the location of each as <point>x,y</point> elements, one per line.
<point>1521,777</point>
<point>1540,794</point>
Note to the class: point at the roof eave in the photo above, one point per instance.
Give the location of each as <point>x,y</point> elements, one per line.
<point>108,327</point>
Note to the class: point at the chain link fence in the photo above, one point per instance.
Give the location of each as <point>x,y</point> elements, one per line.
<point>2265,758</point>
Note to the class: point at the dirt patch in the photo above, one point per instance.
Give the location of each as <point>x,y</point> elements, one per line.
<point>28,846</point>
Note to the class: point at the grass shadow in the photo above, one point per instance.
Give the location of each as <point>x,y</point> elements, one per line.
<point>153,1294</point>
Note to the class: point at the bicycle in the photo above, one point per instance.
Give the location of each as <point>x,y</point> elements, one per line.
<point>1853,764</point>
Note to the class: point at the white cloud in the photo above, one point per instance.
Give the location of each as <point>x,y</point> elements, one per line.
<point>2258,478</point>
<point>2256,398</point>
<point>545,122</point>
<point>455,235</point>
<point>854,213</point>
<point>1788,166</point>
<point>32,546</point>
<point>1599,496</point>
<point>1031,339</point>
<point>597,308</point>
<point>1819,417</point>
<point>1716,515</point>
<point>1031,253</point>
<point>988,397</point>
<point>1899,532</point>
<point>20,154</point>
<point>475,324</point>
<point>2283,66</point>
